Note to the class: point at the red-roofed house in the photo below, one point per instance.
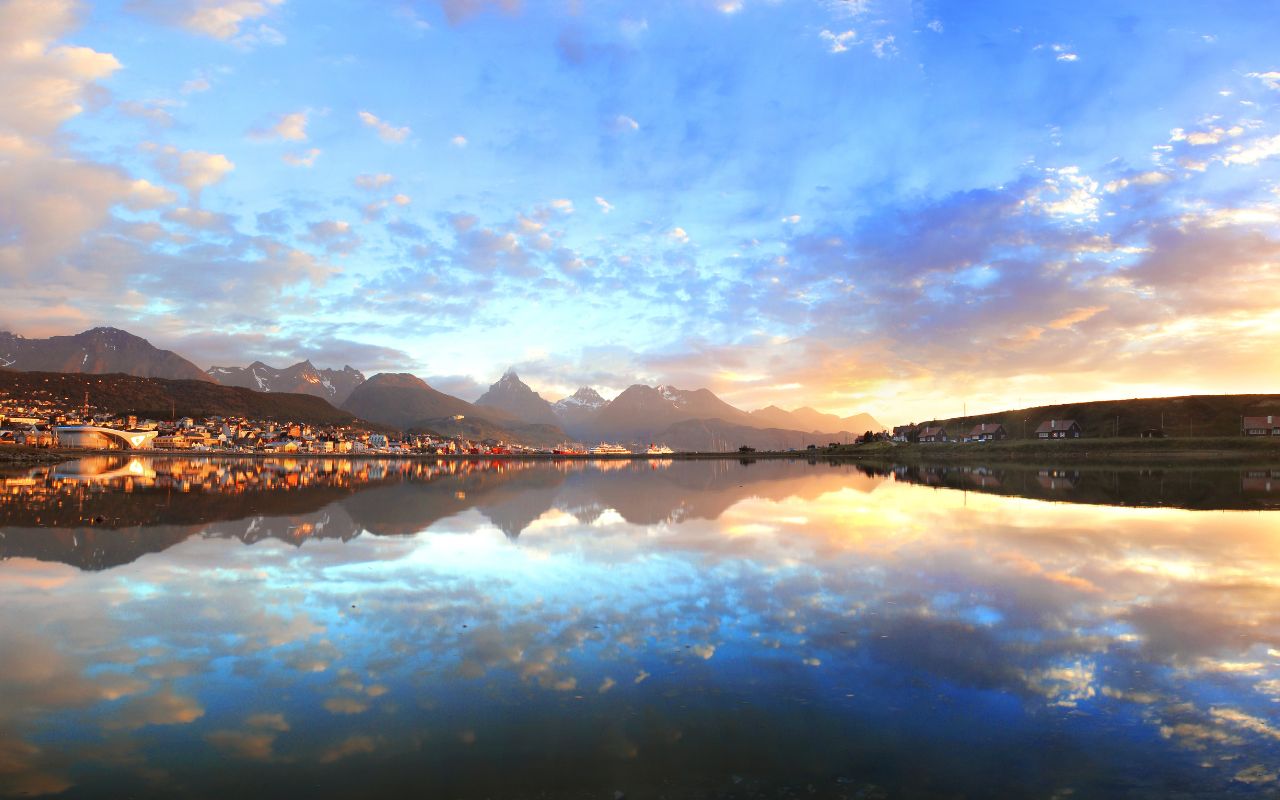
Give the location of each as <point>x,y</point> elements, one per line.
<point>1262,426</point>
<point>933,434</point>
<point>987,432</point>
<point>1058,429</point>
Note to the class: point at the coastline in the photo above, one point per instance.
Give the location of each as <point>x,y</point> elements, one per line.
<point>1032,453</point>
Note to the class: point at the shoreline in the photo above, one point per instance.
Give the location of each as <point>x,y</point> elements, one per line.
<point>1030,453</point>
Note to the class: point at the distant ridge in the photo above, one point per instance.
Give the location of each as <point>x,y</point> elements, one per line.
<point>333,385</point>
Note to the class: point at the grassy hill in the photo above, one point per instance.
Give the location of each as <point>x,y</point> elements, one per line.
<point>158,398</point>
<point>1193,415</point>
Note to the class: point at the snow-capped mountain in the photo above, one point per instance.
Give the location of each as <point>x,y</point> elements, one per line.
<point>334,385</point>
<point>576,411</point>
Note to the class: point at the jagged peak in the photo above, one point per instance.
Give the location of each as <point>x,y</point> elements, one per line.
<point>107,330</point>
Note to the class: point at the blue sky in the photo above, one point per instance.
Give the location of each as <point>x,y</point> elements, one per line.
<point>857,205</point>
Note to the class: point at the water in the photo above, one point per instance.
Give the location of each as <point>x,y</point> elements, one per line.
<point>213,628</point>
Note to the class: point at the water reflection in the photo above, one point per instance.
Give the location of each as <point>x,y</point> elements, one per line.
<point>704,628</point>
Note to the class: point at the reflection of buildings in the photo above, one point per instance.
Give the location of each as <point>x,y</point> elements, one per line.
<point>1261,480</point>
<point>104,469</point>
<point>1058,479</point>
<point>92,437</point>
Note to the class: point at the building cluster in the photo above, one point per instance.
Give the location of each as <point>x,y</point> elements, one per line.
<point>983,432</point>
<point>45,422</point>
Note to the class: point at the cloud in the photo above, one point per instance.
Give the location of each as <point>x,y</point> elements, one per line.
<point>622,124</point>
<point>605,205</point>
<point>1251,153</point>
<point>885,47</point>
<point>1270,79</point>
<point>678,235</point>
<point>199,83</point>
<point>44,85</point>
<point>1063,52</point>
<point>386,131</point>
<point>935,26</point>
<point>336,236</point>
<point>838,42</point>
<point>155,112</point>
<point>219,19</point>
<point>370,182</point>
<point>457,11</point>
<point>458,141</point>
<point>287,127</point>
<point>195,170</point>
<point>306,158</point>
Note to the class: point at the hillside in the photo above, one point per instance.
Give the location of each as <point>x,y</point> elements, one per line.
<point>1192,415</point>
<point>100,351</point>
<point>406,402</point>
<point>399,399</point>
<point>478,429</point>
<point>157,398</point>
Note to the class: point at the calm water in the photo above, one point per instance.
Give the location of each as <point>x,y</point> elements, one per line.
<point>177,627</point>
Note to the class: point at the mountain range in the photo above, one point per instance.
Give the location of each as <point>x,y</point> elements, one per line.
<point>334,385</point>
<point>684,419</point>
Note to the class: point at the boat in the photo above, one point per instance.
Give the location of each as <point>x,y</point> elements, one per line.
<point>606,449</point>
<point>658,450</point>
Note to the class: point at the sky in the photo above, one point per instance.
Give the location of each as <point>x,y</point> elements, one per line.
<point>903,207</point>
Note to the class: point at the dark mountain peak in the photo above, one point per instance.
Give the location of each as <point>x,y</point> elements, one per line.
<point>397,379</point>
<point>96,351</point>
<point>514,397</point>
<point>106,330</point>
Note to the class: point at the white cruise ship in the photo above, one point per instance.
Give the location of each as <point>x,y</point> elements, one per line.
<point>606,449</point>
<point>658,450</point>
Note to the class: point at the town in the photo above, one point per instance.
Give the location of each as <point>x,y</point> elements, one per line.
<point>46,422</point>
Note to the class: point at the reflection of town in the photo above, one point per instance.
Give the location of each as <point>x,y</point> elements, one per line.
<point>104,511</point>
<point>1194,488</point>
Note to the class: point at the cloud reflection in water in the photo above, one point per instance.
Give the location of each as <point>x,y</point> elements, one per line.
<point>705,626</point>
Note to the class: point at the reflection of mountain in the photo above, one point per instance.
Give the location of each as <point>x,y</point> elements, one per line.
<point>106,511</point>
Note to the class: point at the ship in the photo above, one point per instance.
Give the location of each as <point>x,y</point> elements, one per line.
<point>658,450</point>
<point>606,449</point>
